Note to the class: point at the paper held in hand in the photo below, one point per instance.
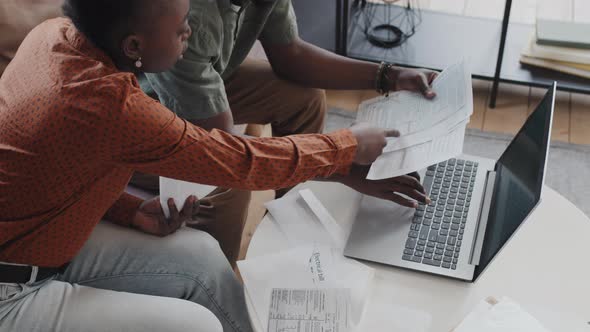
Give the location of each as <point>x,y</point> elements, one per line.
<point>431,130</point>
<point>180,191</point>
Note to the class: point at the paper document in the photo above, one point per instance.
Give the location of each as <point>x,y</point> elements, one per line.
<point>330,225</point>
<point>309,310</point>
<point>304,220</point>
<point>504,316</point>
<point>180,191</point>
<point>413,158</point>
<point>431,130</point>
<point>307,267</point>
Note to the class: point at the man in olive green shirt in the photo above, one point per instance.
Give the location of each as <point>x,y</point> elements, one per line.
<point>215,86</point>
<point>223,35</point>
<point>224,32</point>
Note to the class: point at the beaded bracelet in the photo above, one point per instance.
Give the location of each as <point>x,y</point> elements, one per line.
<point>382,78</point>
<point>379,78</point>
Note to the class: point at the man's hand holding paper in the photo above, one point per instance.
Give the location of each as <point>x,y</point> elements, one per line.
<point>431,130</point>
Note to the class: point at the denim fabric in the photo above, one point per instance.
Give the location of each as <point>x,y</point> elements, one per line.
<point>124,280</point>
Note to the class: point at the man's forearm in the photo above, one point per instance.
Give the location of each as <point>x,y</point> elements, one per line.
<point>312,66</point>
<point>346,180</point>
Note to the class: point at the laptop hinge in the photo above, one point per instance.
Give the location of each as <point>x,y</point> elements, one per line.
<point>482,220</point>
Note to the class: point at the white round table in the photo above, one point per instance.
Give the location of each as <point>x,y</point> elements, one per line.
<point>545,267</point>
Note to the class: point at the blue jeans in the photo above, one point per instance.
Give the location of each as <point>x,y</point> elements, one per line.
<point>124,280</point>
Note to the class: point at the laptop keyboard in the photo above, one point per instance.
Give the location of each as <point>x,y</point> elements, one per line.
<point>436,233</point>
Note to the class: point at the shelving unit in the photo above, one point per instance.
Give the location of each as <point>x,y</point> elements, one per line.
<point>493,48</point>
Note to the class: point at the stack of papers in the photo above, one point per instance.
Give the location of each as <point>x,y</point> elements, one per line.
<point>313,272</point>
<point>431,130</point>
<point>311,284</point>
<point>503,316</point>
<point>309,310</point>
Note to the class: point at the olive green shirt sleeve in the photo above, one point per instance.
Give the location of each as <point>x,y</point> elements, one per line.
<point>281,25</point>
<point>193,89</point>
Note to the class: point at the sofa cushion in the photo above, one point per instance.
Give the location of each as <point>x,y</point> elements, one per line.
<point>17,19</point>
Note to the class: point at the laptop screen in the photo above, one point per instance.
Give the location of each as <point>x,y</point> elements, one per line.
<point>519,179</point>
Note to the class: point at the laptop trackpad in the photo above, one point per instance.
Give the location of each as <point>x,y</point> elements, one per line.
<point>380,231</point>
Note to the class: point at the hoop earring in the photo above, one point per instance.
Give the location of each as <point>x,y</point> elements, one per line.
<point>138,63</point>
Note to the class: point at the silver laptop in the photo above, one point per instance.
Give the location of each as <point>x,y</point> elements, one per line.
<point>477,204</point>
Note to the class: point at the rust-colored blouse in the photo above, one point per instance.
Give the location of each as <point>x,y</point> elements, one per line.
<point>73,128</point>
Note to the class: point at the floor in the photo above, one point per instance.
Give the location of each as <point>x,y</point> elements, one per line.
<point>572,118</point>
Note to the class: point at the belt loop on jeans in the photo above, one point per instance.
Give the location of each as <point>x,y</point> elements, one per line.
<point>34,273</point>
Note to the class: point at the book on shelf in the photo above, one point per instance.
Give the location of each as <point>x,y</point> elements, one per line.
<point>576,69</point>
<point>563,59</point>
<point>563,33</point>
<point>556,53</point>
